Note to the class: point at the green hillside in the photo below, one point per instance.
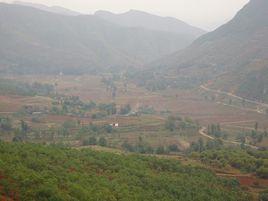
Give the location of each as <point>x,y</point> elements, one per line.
<point>31,172</point>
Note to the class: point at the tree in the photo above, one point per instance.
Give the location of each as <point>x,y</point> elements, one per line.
<point>214,144</point>
<point>260,138</point>
<point>265,133</point>
<point>24,126</point>
<point>125,109</point>
<point>128,147</point>
<point>5,124</point>
<point>256,126</point>
<point>66,127</point>
<point>17,139</point>
<point>160,150</point>
<point>254,134</point>
<point>242,138</point>
<point>108,128</point>
<point>215,130</point>
<point>173,148</point>
<point>201,145</point>
<point>242,145</point>
<point>110,109</point>
<point>170,123</point>
<point>263,172</point>
<point>263,196</point>
<point>90,141</point>
<point>102,142</point>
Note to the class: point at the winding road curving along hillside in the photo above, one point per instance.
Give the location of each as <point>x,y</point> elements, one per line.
<point>204,134</point>
<point>235,96</point>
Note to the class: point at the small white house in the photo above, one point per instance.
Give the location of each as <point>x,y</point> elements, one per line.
<point>115,125</point>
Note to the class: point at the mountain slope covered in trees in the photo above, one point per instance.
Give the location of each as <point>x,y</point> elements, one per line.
<point>34,172</point>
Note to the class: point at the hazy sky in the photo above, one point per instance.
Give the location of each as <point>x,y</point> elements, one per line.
<point>206,14</point>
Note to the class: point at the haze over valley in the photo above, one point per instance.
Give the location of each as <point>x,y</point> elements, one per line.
<point>133,106</point>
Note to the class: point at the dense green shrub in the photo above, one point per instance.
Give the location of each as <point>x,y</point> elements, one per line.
<point>263,196</point>
<point>245,160</point>
<point>90,141</point>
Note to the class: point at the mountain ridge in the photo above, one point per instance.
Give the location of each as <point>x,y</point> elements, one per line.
<point>53,9</point>
<point>33,40</point>
<point>136,18</point>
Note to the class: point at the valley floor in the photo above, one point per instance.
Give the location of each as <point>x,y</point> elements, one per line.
<point>84,112</point>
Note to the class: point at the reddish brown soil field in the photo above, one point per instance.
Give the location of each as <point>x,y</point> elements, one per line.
<point>188,103</point>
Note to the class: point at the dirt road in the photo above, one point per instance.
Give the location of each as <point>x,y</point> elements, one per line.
<point>233,96</point>
<point>204,134</point>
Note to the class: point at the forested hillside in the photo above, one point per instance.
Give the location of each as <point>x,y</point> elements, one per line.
<point>31,172</point>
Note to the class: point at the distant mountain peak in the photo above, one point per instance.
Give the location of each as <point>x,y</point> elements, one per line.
<point>53,9</point>
<point>135,11</point>
<point>137,18</point>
